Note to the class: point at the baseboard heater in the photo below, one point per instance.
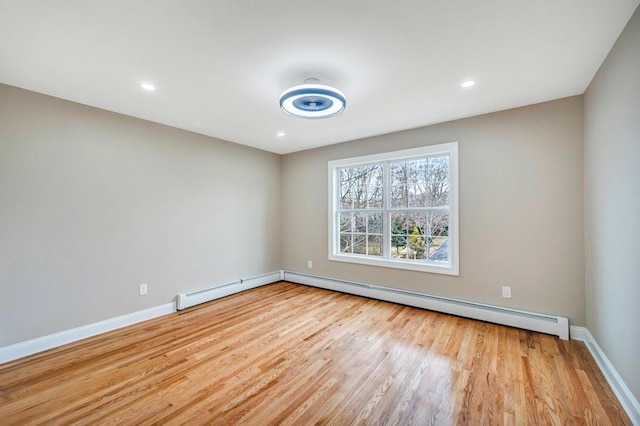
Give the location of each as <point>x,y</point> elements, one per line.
<point>549,324</point>
<point>187,300</point>
<point>543,323</point>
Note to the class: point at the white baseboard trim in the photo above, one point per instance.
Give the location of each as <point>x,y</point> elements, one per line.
<point>578,333</point>
<point>543,323</point>
<point>620,388</point>
<point>522,319</point>
<point>30,347</point>
<point>187,300</point>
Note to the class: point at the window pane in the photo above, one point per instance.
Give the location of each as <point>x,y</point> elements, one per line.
<point>374,247</point>
<point>418,193</point>
<point>418,183</point>
<point>345,243</point>
<point>359,197</point>
<point>438,181</point>
<point>375,196</point>
<point>398,173</point>
<point>361,186</point>
<point>359,244</point>
<point>404,222</point>
<point>439,249</point>
<point>398,180</point>
<point>439,224</point>
<point>399,196</point>
<point>346,222</point>
<point>399,232</point>
<point>409,232</point>
<point>416,244</point>
<point>361,233</point>
<point>409,182</point>
<point>346,198</point>
<point>375,223</point>
<point>398,225</point>
<point>360,222</point>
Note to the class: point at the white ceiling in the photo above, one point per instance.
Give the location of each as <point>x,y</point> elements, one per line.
<point>220,66</point>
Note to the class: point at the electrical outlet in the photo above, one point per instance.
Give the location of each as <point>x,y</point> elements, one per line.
<point>142,290</point>
<point>309,264</point>
<point>506,292</point>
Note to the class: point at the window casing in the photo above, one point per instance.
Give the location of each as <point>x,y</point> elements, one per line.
<point>396,209</point>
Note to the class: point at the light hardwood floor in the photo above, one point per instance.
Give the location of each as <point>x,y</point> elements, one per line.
<point>295,355</point>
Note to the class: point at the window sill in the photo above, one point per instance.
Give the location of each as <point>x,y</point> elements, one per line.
<point>397,264</point>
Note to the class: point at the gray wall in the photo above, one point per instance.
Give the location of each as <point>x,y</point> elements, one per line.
<point>94,203</point>
<point>521,209</point>
<point>612,205</point>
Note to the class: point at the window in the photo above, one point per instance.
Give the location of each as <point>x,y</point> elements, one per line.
<point>398,209</point>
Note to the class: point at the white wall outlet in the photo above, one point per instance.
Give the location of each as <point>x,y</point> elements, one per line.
<point>142,290</point>
<point>506,292</point>
<point>309,264</point>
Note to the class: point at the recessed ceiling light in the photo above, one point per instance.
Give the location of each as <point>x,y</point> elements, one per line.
<point>148,86</point>
<point>468,83</point>
<point>280,134</point>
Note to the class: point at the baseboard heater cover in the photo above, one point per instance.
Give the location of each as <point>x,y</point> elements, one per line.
<point>549,324</point>
<point>187,300</point>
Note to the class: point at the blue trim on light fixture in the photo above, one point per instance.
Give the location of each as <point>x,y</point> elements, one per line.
<point>312,101</point>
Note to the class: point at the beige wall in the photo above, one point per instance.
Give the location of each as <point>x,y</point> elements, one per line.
<point>521,209</point>
<point>612,205</point>
<point>94,203</point>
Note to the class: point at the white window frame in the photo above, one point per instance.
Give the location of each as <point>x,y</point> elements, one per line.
<point>452,268</point>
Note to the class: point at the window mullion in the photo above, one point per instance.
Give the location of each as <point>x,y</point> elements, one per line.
<point>386,219</point>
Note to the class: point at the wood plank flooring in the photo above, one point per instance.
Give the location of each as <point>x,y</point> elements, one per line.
<point>287,354</point>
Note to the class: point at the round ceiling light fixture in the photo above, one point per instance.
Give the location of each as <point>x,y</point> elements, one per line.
<point>312,100</point>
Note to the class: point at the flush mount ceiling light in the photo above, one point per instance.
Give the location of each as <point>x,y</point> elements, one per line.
<point>312,100</point>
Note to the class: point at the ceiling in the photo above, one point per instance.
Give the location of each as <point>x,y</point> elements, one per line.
<point>220,66</point>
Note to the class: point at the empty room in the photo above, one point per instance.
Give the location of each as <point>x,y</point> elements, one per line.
<point>339,212</point>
